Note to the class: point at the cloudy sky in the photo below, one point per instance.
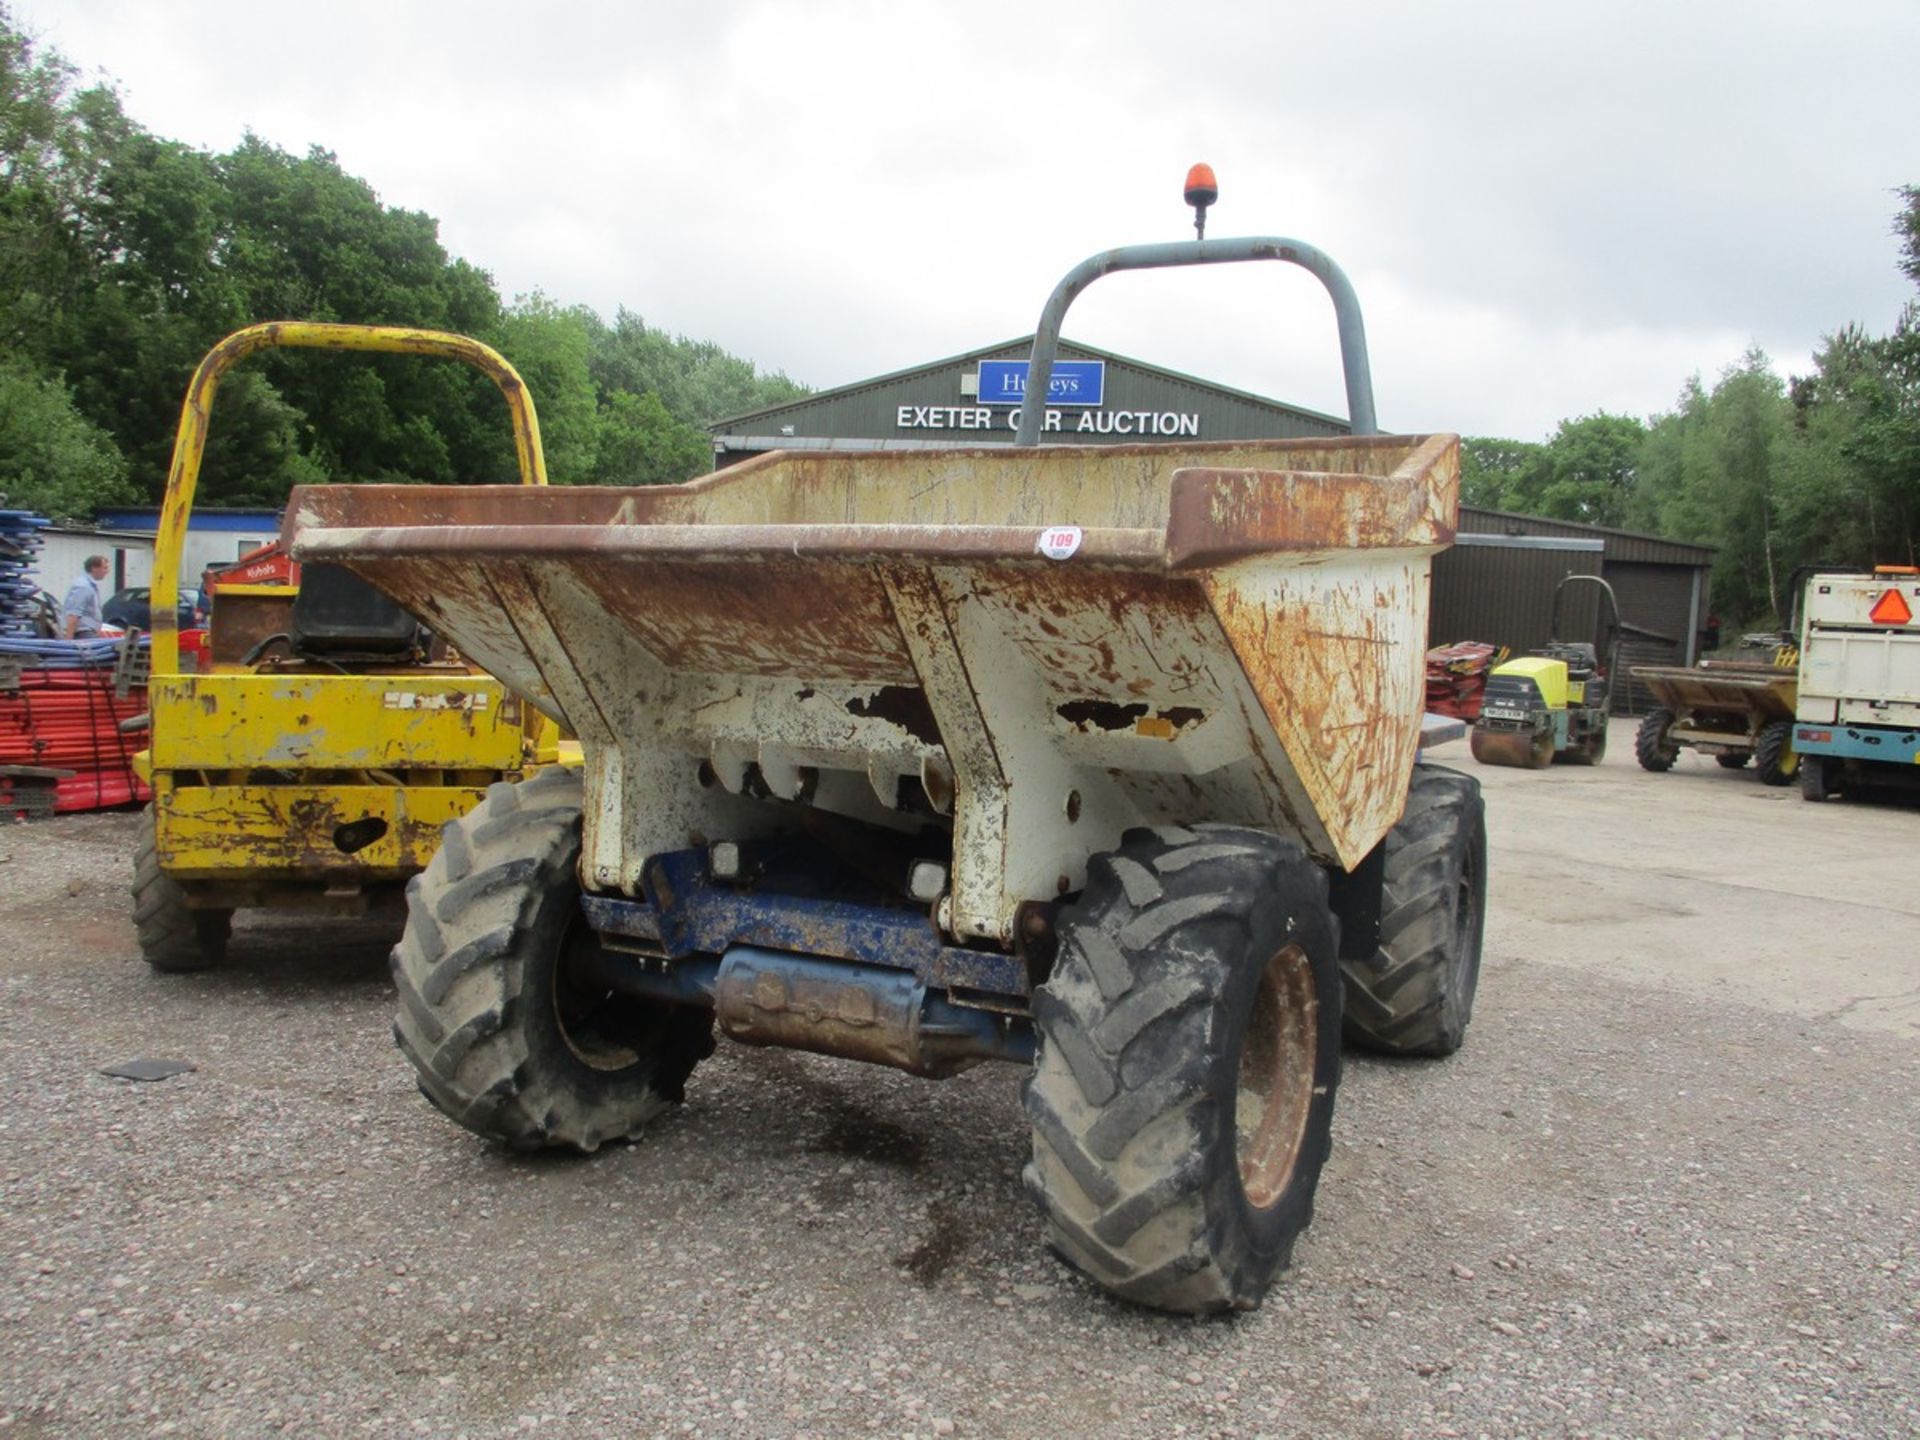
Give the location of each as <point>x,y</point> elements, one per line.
<point>1547,209</point>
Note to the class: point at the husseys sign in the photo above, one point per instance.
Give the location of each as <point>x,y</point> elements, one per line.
<point>1074,385</point>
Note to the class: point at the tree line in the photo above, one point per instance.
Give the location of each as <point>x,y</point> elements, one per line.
<point>1823,469</point>
<point>125,256</point>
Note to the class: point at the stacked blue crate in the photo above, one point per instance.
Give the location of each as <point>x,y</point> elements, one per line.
<point>19,563</point>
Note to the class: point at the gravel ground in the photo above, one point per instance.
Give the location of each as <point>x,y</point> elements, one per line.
<point>1635,1204</point>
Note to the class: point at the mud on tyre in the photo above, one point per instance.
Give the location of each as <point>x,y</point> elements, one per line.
<point>507,1030</point>
<point>1414,994</point>
<point>1182,1097</point>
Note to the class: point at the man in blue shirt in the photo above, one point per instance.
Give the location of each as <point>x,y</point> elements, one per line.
<point>81,609</point>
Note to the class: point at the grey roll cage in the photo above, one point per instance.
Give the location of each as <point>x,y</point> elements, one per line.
<point>1346,309</point>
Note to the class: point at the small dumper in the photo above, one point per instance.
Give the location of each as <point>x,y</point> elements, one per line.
<point>311,762</point>
<point>1098,760</point>
<point>1734,710</point>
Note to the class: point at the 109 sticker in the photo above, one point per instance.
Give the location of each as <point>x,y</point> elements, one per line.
<point>1059,542</point>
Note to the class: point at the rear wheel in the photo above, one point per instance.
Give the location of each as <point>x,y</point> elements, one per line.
<point>1651,747</point>
<point>500,1012</point>
<point>1414,994</point>
<point>1817,774</point>
<point>173,935</point>
<point>1589,749</point>
<point>1774,755</point>
<point>1597,742</point>
<point>1182,1097</point>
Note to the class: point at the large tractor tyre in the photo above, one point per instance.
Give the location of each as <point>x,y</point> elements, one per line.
<point>1774,755</point>
<point>1414,994</point>
<point>1733,762</point>
<point>1651,747</point>
<point>173,936</point>
<point>510,1034</point>
<point>1182,1097</point>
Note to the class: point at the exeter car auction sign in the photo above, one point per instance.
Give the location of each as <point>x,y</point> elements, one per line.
<point>1075,383</point>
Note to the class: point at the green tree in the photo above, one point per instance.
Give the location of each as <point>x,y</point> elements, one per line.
<point>696,380</point>
<point>1592,466</point>
<point>52,459</point>
<point>549,346</point>
<point>1492,470</point>
<point>310,242</point>
<point>1906,225</point>
<point>46,165</point>
<point>641,444</point>
<point>1854,487</point>
<point>1718,468</point>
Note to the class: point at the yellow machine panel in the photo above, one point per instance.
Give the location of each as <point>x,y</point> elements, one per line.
<point>340,722</point>
<point>1549,676</point>
<point>223,831</point>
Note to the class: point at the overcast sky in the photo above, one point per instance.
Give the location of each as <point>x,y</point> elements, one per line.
<point>1547,209</point>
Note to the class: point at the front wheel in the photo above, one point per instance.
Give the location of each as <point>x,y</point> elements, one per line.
<point>1774,755</point>
<point>1414,994</point>
<point>500,1013</point>
<point>1651,747</point>
<point>1182,1097</point>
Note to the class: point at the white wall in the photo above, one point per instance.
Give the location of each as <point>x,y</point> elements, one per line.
<point>217,547</point>
<point>63,552</point>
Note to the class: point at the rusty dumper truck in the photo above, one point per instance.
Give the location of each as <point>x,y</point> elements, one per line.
<point>1096,760</point>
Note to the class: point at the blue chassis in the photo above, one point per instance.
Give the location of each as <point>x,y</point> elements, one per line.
<point>687,915</point>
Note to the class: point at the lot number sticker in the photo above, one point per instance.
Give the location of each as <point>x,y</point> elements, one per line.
<point>1059,542</point>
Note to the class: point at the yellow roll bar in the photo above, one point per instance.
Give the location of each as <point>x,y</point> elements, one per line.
<point>190,442</point>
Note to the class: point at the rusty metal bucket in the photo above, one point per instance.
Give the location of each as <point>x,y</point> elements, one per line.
<point>1040,647</point>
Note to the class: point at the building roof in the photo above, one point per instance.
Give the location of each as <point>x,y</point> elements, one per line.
<point>146,518</point>
<point>1622,546</point>
<point>1017,348</point>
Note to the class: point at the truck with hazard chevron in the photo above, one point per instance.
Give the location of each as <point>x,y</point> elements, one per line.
<point>1857,719</point>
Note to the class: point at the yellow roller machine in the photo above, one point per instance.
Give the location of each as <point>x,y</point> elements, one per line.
<point>1553,704</point>
<point>325,738</point>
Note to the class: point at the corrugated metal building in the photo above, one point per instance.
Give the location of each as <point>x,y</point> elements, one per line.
<point>1496,585</point>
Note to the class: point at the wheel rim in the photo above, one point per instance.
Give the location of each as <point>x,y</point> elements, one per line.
<point>586,1010</point>
<point>1275,1088</point>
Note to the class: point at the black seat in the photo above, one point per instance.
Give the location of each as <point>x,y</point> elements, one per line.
<point>1582,660</point>
<point>336,612</point>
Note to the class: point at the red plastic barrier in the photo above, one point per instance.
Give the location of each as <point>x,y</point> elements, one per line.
<point>68,718</point>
